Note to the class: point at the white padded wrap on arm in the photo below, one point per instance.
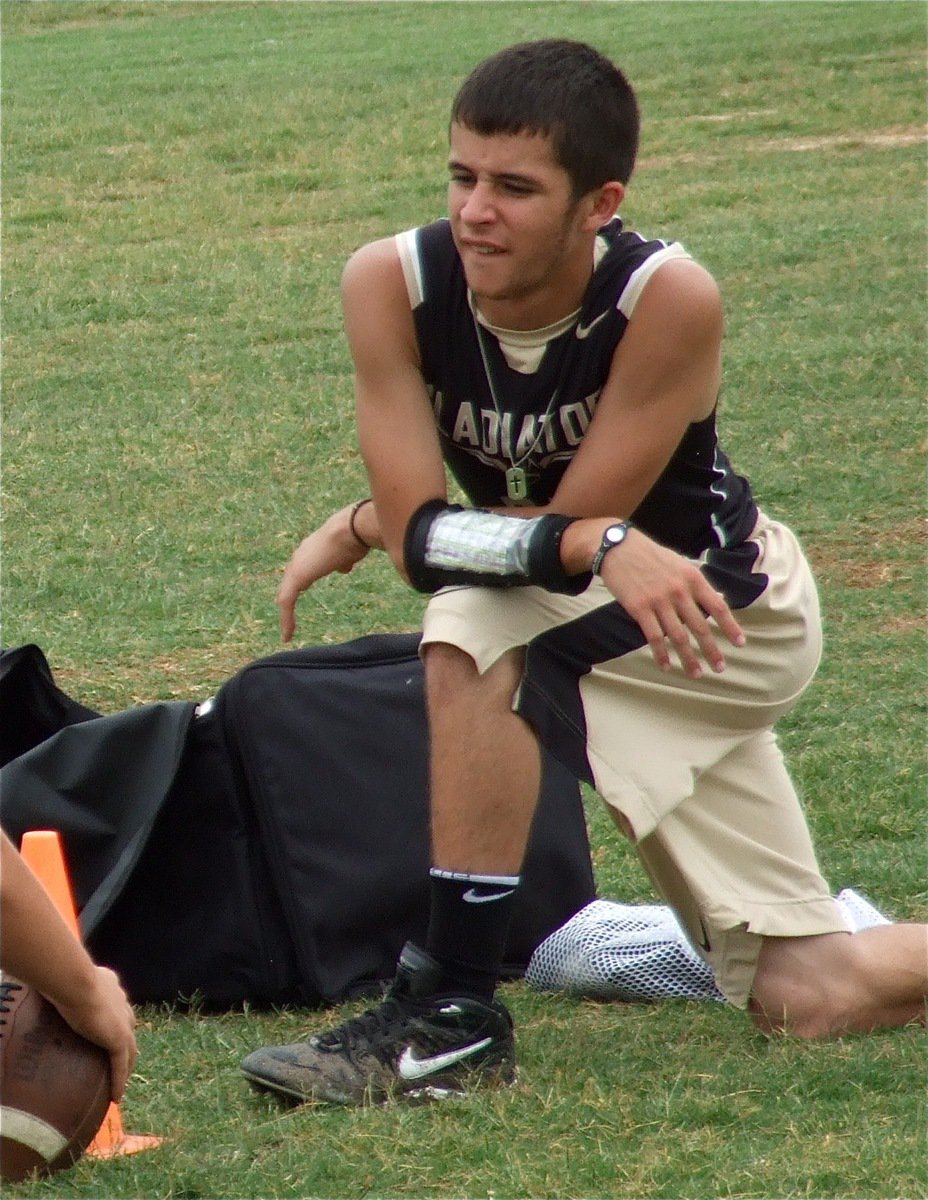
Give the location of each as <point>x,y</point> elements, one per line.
<point>480,541</point>
<point>448,546</point>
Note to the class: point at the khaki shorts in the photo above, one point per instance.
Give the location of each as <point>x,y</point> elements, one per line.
<point>691,767</point>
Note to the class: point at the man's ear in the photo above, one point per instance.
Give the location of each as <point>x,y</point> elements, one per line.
<point>603,203</point>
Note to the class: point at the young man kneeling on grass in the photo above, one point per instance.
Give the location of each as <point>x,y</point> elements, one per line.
<point>613,592</point>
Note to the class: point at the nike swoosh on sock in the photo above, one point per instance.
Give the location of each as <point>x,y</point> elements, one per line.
<point>472,896</point>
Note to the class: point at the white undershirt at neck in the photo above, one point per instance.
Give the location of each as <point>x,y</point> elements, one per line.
<point>524,349</point>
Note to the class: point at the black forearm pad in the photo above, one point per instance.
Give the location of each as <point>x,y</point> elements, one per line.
<point>422,577</point>
<point>543,565</point>
<point>544,558</point>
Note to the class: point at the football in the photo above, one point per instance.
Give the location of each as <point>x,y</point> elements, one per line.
<point>54,1086</point>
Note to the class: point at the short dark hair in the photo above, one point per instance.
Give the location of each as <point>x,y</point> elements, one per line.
<point>564,90</point>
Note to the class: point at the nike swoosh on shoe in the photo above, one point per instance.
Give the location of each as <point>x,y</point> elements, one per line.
<point>410,1068</point>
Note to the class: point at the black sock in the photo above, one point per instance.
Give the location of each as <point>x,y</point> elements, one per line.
<point>468,926</point>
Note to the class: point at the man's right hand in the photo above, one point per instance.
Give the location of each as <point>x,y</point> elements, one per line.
<point>330,548</point>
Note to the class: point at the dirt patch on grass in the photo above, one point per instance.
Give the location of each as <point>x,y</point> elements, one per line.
<point>877,139</point>
<point>888,139</point>
<point>872,558</point>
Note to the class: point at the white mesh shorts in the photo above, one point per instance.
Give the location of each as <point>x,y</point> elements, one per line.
<point>690,766</point>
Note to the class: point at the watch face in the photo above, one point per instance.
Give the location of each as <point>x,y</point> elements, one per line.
<point>613,535</point>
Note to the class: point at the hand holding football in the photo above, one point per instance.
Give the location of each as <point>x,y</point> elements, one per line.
<point>54,1086</point>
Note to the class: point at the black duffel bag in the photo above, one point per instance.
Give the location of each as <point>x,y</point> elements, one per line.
<point>270,845</point>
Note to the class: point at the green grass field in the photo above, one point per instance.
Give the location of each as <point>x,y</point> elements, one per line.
<point>182,183</point>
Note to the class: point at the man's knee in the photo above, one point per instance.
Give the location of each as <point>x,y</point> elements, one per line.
<point>839,983</point>
<point>450,672</point>
<point>809,987</point>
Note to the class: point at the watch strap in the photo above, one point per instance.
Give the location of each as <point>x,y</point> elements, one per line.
<point>613,535</point>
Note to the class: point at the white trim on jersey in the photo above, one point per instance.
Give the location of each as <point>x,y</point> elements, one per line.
<point>408,251</point>
<point>716,488</point>
<point>631,293</point>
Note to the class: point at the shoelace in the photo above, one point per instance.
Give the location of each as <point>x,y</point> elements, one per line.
<point>7,988</point>
<point>369,1028</point>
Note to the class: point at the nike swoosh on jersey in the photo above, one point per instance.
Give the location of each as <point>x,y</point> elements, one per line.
<point>584,331</point>
<point>471,896</point>
<point>410,1068</point>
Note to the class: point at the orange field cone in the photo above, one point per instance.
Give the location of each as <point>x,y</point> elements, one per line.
<point>111,1139</point>
<point>42,850</point>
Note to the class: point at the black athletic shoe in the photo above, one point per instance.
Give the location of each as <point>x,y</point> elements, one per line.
<point>413,1044</point>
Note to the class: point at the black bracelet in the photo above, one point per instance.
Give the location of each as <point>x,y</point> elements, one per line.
<point>351,525</point>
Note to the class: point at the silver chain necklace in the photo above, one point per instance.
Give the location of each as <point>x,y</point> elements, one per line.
<point>516,474</point>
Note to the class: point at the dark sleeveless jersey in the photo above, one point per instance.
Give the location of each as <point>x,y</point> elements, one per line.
<point>538,419</point>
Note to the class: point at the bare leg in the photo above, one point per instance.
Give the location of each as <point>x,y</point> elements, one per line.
<point>485,763</point>
<point>842,982</point>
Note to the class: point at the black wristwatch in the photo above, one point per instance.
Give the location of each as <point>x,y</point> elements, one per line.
<point>613,535</point>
